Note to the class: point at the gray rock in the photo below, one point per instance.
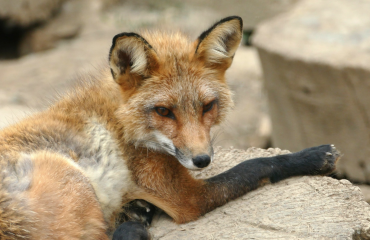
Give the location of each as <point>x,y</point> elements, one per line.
<point>366,191</point>
<point>315,60</point>
<point>27,12</point>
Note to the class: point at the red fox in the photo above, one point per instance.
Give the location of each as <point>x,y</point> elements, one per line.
<point>130,132</point>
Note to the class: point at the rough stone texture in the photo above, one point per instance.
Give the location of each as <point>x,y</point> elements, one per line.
<point>315,60</point>
<point>298,208</point>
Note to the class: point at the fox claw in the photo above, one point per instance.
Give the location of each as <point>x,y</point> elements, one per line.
<point>330,158</point>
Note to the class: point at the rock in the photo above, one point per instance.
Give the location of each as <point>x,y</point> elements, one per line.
<point>27,12</point>
<point>37,25</point>
<point>366,191</point>
<point>64,25</point>
<point>297,208</point>
<point>315,60</point>
<point>252,11</point>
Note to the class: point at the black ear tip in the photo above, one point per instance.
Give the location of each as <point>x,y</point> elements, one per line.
<point>114,40</point>
<point>227,19</point>
<point>127,34</point>
<point>233,18</point>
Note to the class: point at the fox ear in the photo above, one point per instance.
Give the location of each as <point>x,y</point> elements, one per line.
<point>131,58</point>
<point>217,46</point>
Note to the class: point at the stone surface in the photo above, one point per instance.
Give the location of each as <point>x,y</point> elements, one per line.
<point>366,191</point>
<point>315,60</point>
<point>297,208</point>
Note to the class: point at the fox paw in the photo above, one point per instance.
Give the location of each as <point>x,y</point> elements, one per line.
<point>321,159</point>
<point>330,160</point>
<point>131,230</point>
<point>139,211</point>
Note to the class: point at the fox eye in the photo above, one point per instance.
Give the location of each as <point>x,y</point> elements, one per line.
<point>208,107</point>
<point>164,112</point>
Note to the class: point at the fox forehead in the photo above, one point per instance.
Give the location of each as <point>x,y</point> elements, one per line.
<point>176,91</point>
<point>179,78</point>
<point>170,45</point>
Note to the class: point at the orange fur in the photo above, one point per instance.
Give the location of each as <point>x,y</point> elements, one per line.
<point>63,201</point>
<point>67,171</point>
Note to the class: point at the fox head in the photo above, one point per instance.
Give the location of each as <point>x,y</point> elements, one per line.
<point>174,90</point>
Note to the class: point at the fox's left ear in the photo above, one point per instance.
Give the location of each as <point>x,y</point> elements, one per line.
<point>217,46</point>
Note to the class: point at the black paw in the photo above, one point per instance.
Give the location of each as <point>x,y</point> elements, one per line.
<point>139,211</point>
<point>320,160</point>
<point>131,231</point>
<point>330,160</point>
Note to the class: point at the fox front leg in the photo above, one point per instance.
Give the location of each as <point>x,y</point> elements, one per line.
<point>186,198</point>
<point>251,174</point>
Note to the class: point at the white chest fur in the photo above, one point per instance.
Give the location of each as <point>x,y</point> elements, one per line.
<point>104,165</point>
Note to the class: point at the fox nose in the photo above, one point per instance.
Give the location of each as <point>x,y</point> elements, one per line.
<point>201,161</point>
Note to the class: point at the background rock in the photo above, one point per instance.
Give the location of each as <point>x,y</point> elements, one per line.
<point>297,208</point>
<point>28,26</point>
<point>27,12</point>
<point>366,191</point>
<point>315,61</point>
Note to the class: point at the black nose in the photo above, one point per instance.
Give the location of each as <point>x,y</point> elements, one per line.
<point>201,161</point>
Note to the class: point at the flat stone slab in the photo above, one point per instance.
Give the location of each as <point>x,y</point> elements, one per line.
<point>297,208</point>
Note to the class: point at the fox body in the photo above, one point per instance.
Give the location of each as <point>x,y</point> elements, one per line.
<point>132,132</point>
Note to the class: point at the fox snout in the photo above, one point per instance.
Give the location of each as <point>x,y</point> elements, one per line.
<point>194,161</point>
<point>201,161</point>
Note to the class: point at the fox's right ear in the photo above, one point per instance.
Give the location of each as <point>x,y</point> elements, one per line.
<point>131,58</point>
